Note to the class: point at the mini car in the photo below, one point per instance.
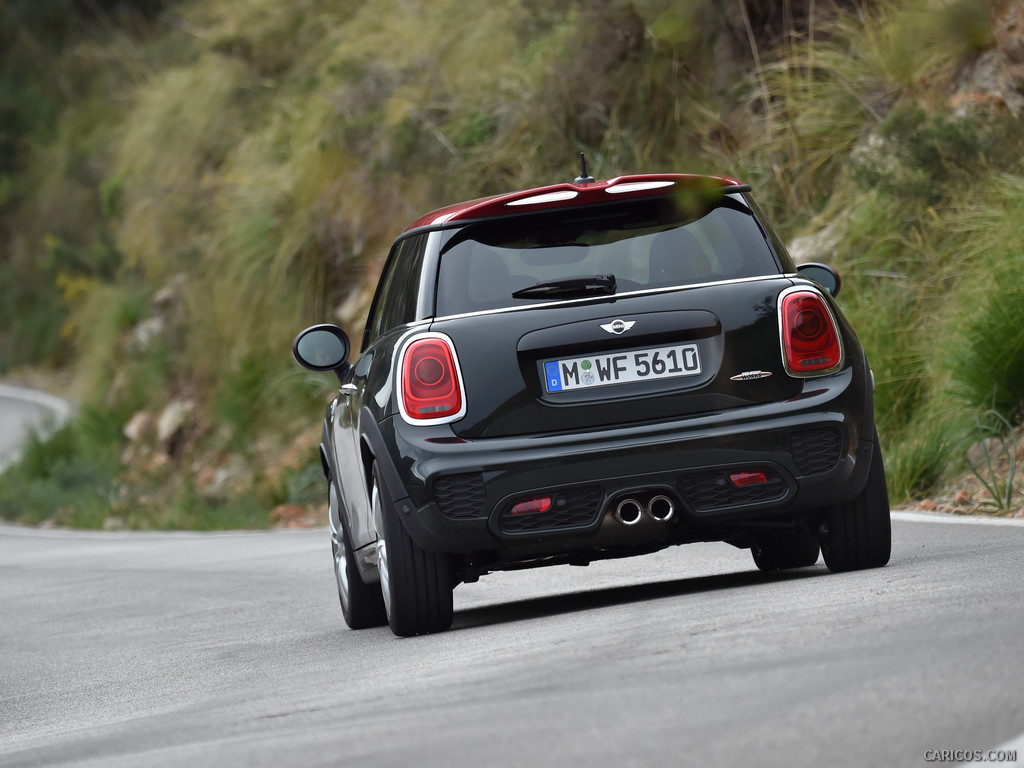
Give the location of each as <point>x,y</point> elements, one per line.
<point>591,370</point>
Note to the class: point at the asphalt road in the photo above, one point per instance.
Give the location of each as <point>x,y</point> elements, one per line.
<point>137,649</point>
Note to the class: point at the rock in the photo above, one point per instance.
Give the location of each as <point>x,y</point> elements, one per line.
<point>170,427</point>
<point>963,496</point>
<point>927,506</point>
<point>155,463</point>
<point>1009,32</point>
<point>353,308</point>
<point>170,295</point>
<point>291,515</point>
<point>819,246</point>
<point>992,81</point>
<point>146,332</point>
<point>232,476</point>
<point>138,427</point>
<point>172,419</point>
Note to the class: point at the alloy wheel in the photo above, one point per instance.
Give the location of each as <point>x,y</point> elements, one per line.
<point>382,551</point>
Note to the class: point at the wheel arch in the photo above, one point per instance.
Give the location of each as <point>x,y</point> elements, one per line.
<point>373,449</point>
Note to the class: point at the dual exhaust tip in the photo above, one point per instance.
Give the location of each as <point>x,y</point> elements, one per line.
<point>630,511</point>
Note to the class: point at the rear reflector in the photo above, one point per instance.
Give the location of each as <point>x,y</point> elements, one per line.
<point>810,339</point>
<point>743,479</point>
<point>542,504</point>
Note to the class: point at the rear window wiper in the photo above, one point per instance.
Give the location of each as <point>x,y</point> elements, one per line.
<point>569,287</point>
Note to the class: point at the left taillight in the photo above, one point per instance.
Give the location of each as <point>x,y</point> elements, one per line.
<point>811,345</point>
<point>431,383</point>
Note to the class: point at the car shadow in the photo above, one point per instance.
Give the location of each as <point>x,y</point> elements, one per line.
<point>556,605</point>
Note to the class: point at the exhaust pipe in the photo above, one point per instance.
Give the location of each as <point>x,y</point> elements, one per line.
<point>629,512</point>
<point>661,508</point>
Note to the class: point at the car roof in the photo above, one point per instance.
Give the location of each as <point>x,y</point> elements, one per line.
<point>561,195</point>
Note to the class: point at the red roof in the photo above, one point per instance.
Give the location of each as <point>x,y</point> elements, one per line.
<point>559,195</point>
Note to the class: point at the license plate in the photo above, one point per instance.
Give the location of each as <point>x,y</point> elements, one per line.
<point>621,368</point>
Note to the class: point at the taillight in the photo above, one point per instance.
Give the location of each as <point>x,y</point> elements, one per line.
<point>810,339</point>
<point>431,386</point>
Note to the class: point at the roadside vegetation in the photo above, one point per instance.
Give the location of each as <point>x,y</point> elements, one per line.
<point>186,183</point>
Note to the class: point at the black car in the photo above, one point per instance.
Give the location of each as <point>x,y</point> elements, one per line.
<point>591,370</point>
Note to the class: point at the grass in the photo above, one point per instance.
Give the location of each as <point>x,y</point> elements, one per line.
<point>68,478</point>
<point>997,466</point>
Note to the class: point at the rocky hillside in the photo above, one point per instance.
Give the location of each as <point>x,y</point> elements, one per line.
<point>184,184</point>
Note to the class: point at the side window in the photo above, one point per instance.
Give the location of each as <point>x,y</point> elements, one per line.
<point>785,260</point>
<point>395,301</point>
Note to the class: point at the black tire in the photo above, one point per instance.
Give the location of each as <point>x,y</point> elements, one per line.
<point>786,549</point>
<point>417,585</point>
<point>858,533</point>
<point>361,604</point>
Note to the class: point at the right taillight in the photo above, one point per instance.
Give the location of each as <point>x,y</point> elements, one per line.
<point>431,385</point>
<point>811,345</point>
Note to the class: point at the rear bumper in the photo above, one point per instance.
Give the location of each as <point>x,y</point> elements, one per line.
<point>456,495</point>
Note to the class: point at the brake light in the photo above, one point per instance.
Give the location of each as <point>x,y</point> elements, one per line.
<point>430,380</point>
<point>810,339</point>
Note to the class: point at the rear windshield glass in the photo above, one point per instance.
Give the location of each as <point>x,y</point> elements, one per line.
<point>645,243</point>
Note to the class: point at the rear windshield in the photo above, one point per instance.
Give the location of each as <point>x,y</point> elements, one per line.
<point>645,243</point>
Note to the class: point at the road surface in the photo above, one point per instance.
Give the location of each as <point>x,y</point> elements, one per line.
<point>163,649</point>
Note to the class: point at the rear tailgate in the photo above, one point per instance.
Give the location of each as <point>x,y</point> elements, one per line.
<point>623,359</point>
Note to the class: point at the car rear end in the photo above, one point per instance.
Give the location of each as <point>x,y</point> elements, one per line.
<point>617,367</point>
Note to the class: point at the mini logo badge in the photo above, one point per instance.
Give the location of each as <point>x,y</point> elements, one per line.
<point>618,326</point>
<point>751,375</point>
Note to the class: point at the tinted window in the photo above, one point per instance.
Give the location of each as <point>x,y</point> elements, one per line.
<point>780,249</point>
<point>395,302</point>
<point>646,243</point>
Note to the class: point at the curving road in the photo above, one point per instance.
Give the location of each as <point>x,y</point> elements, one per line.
<point>24,411</point>
<point>138,649</point>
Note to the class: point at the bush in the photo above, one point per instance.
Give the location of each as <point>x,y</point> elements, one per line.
<point>68,478</point>
<point>987,360</point>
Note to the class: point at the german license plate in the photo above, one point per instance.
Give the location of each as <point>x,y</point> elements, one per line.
<point>621,367</point>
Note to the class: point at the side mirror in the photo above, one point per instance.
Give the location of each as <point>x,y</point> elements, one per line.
<point>322,348</point>
<point>823,275</point>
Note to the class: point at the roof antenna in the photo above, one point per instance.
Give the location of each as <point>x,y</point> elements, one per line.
<point>584,177</point>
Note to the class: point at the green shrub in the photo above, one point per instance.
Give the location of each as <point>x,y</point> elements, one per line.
<point>931,448</point>
<point>987,357</point>
<point>189,510</point>
<point>247,399</point>
<point>68,478</point>
<point>304,484</point>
